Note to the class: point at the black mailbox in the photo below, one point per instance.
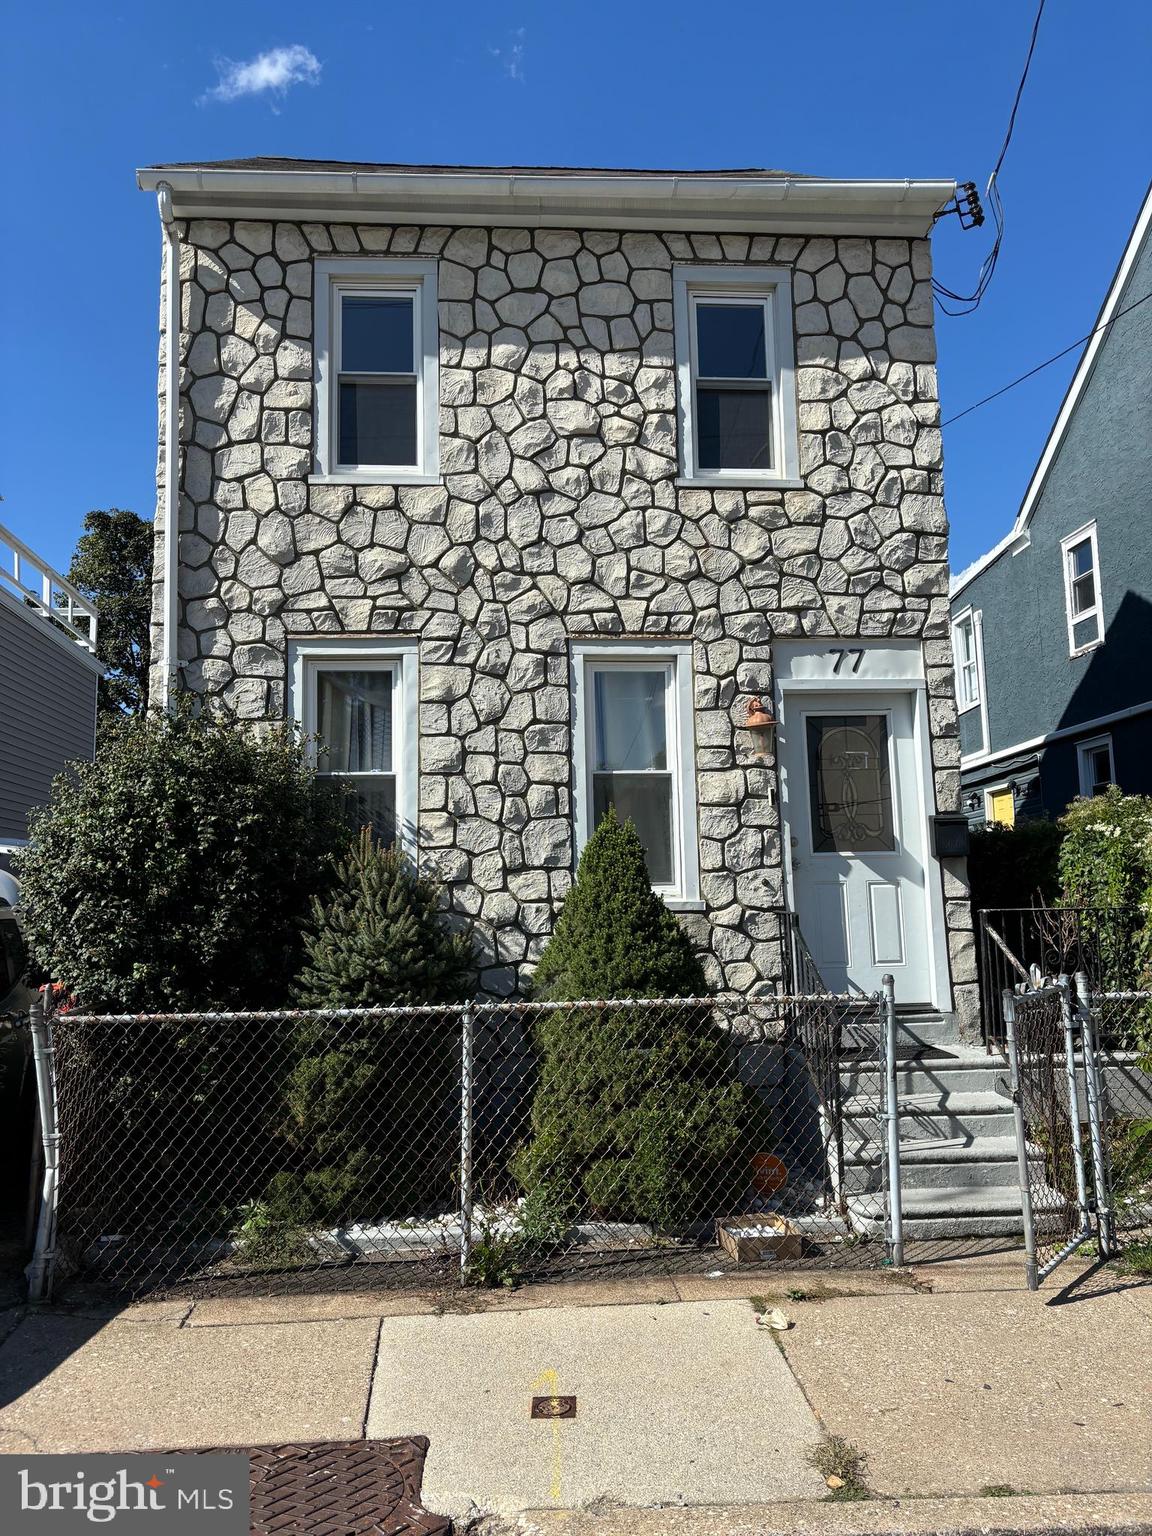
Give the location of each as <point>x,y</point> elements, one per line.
<point>950,835</point>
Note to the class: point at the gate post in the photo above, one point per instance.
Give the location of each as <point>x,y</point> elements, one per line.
<point>42,1267</point>
<point>467,1045</point>
<point>892,1106</point>
<point>1069,1021</point>
<point>1013,1048</point>
<point>1105,1239</point>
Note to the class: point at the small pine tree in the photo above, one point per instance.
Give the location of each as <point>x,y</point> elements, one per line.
<point>379,939</point>
<point>615,937</point>
<point>638,1113</point>
<point>369,1106</point>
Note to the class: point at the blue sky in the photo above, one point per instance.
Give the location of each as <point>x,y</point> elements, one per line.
<point>841,88</point>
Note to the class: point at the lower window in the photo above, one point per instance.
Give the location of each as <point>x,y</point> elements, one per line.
<point>356,705</point>
<point>634,725</point>
<point>1097,770</point>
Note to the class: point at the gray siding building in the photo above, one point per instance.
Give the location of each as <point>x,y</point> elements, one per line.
<point>1052,629</point>
<point>48,683</point>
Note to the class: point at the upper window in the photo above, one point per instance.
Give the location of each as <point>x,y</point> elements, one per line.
<point>377,388</point>
<point>736,375</point>
<point>356,702</point>
<point>635,723</point>
<point>1097,770</point>
<point>1082,589</point>
<point>964,654</point>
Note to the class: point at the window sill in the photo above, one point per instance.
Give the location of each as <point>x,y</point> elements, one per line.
<point>683,904</point>
<point>376,477</point>
<point>966,709</point>
<point>1084,650</point>
<point>738,483</point>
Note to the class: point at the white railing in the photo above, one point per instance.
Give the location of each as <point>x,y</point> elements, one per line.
<point>45,592</point>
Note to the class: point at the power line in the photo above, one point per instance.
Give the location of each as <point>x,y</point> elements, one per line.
<point>1071,347</point>
<point>1019,90</point>
<point>971,301</point>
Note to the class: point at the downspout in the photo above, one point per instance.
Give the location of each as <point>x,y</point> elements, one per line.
<point>169,653</point>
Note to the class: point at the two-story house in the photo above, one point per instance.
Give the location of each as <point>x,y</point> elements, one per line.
<point>535,491</point>
<point>1052,628</point>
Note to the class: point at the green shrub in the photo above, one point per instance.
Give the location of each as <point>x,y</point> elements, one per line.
<point>1014,866</point>
<point>175,871</point>
<point>1106,854</point>
<point>638,1113</point>
<point>378,939</point>
<point>370,1104</point>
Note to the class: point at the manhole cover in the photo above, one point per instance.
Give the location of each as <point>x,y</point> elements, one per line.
<point>341,1488</point>
<point>553,1408</point>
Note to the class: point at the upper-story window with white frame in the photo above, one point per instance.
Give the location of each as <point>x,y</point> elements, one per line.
<point>1081,555</point>
<point>736,374</point>
<point>377,371</point>
<point>356,701</point>
<point>635,754</point>
<point>965,653</point>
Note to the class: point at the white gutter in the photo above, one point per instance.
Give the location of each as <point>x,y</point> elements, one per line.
<point>533,198</point>
<point>982,759</point>
<point>169,655</point>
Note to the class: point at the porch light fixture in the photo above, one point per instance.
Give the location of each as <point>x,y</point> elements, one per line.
<point>761,723</point>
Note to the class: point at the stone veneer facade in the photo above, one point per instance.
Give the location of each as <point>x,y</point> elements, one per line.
<point>560,518</point>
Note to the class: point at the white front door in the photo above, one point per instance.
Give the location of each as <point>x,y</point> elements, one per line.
<point>855,823</point>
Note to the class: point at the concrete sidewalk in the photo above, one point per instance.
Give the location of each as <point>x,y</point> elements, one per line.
<point>951,1382</point>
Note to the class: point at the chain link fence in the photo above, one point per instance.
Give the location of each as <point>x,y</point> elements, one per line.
<point>1081,1076</point>
<point>484,1144</point>
<point>1123,1032</point>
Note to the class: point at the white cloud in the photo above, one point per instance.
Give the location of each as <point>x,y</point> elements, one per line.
<point>512,57</point>
<point>275,70</point>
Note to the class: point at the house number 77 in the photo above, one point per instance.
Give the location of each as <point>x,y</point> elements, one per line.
<point>857,654</point>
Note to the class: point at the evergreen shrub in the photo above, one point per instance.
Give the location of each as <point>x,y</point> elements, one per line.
<point>371,1105</point>
<point>638,1114</point>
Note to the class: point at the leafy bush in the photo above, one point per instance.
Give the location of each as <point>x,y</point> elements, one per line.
<point>1106,855</point>
<point>369,1106</point>
<point>1014,866</point>
<point>175,871</point>
<point>638,1113</point>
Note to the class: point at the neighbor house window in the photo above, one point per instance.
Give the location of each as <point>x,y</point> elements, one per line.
<point>1000,805</point>
<point>377,380</point>
<point>1097,770</point>
<point>1082,589</point>
<point>635,755</point>
<point>736,375</point>
<point>356,704</point>
<point>964,651</point>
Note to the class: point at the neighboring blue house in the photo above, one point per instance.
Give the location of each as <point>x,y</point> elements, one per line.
<point>1052,629</point>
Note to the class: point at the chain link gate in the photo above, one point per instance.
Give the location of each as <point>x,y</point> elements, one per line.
<point>1082,1103</point>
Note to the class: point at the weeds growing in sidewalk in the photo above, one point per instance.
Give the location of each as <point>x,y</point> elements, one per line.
<point>843,1468</point>
<point>1000,1491</point>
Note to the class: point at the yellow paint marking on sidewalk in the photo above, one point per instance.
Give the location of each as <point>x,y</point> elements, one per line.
<point>547,1384</point>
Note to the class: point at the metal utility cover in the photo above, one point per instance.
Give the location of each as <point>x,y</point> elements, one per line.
<point>553,1408</point>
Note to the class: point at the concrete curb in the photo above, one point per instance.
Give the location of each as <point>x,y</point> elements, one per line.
<point>1102,1514</point>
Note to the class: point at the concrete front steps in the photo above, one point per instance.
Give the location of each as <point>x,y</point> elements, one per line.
<point>957,1136</point>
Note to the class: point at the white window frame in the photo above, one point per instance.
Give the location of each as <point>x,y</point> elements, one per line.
<point>307,657</point>
<point>967,619</point>
<point>357,275</point>
<point>773,287</point>
<point>683,893</point>
<point>1087,534</point>
<point>1083,748</point>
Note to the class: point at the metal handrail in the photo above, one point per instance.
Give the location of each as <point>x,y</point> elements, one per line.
<point>52,597</point>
